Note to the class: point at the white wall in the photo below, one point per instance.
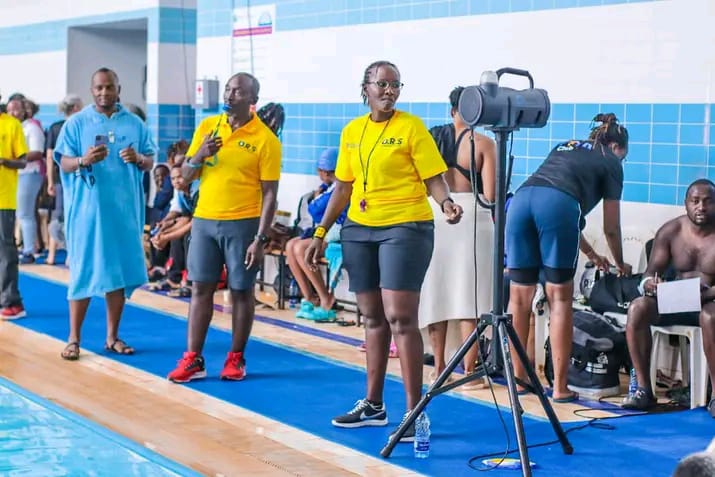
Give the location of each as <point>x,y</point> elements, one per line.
<point>172,75</point>
<point>22,12</point>
<point>124,51</point>
<point>39,75</point>
<point>640,52</point>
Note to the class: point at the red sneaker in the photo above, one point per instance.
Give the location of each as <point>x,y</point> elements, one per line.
<point>234,368</point>
<point>13,312</point>
<point>191,366</point>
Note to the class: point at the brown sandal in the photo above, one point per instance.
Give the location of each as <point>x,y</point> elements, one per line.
<point>123,347</point>
<point>71,351</point>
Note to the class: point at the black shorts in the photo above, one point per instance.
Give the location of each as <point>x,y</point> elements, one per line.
<point>690,318</point>
<point>395,257</point>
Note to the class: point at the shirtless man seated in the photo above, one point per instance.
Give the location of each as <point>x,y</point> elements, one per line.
<point>688,244</point>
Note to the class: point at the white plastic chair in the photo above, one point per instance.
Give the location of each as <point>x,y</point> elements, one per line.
<point>695,360</point>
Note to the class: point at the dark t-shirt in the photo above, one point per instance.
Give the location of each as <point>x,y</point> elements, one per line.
<point>53,132</point>
<point>586,174</point>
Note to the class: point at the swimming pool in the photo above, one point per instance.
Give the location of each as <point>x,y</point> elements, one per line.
<point>39,438</point>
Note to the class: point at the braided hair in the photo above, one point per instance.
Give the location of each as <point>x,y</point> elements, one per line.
<point>273,115</point>
<point>608,132</point>
<point>372,69</point>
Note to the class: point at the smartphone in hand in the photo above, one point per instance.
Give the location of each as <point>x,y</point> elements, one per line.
<point>101,140</point>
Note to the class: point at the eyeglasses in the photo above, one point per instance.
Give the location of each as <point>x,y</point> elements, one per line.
<point>384,84</point>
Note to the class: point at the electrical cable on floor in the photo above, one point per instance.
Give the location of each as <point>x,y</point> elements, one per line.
<point>592,422</point>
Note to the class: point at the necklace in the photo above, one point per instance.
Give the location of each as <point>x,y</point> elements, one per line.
<point>365,166</point>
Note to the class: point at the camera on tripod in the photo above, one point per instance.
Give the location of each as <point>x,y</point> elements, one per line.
<point>499,107</point>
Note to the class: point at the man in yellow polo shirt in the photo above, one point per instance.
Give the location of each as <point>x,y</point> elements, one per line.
<point>13,149</point>
<point>237,160</point>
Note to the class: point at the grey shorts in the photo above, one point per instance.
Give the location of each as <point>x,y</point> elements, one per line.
<point>214,243</point>
<point>394,257</point>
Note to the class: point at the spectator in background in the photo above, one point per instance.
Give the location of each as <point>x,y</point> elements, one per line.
<point>310,279</point>
<point>71,104</point>
<point>463,253</point>
<point>30,179</point>
<point>175,232</point>
<point>13,150</point>
<point>699,464</point>
<point>102,152</point>
<point>273,116</point>
<point>164,192</point>
<point>543,234</point>
<point>31,109</point>
<point>134,109</point>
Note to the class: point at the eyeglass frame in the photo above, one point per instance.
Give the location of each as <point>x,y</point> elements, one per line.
<point>395,85</point>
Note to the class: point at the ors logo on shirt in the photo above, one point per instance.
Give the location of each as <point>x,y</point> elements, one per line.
<point>392,141</point>
<point>247,146</point>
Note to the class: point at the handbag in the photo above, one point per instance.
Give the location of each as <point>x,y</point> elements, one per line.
<point>611,293</point>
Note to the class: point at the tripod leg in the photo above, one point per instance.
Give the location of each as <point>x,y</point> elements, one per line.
<point>414,413</point>
<point>536,384</point>
<point>515,406</point>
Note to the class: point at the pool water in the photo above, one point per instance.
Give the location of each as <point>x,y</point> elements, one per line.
<point>39,438</point>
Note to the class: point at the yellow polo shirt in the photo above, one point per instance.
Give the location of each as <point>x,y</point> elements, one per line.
<point>387,163</point>
<point>12,146</point>
<point>230,182</point>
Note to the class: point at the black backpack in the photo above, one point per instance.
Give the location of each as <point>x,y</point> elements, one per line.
<point>599,351</point>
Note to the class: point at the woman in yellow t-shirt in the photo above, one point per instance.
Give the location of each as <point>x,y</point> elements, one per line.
<point>387,165</point>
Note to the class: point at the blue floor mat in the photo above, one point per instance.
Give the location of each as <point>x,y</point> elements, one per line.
<point>305,391</point>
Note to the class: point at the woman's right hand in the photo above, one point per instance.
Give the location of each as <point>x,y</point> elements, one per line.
<point>50,188</point>
<point>314,253</point>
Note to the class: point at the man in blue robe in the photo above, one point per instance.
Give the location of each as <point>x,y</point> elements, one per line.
<point>103,152</point>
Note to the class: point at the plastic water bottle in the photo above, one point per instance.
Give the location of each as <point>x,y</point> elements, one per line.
<point>293,293</point>
<point>632,383</point>
<point>422,434</point>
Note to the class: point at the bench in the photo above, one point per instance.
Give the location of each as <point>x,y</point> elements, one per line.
<point>280,254</point>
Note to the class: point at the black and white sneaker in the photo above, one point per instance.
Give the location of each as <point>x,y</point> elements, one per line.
<point>641,400</point>
<point>409,434</point>
<point>363,414</point>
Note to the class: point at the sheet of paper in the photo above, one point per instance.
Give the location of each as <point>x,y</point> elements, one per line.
<point>679,296</point>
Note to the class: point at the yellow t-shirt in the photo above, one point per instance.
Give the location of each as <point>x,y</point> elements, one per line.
<point>12,146</point>
<point>230,189</point>
<point>387,163</point>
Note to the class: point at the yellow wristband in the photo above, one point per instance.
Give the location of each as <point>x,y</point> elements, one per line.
<point>319,232</point>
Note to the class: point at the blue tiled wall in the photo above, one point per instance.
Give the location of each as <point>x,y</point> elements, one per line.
<point>165,25</point>
<point>215,16</point>
<point>670,144</point>
<point>170,123</point>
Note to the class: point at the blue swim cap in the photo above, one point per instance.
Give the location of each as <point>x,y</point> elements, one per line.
<point>328,159</point>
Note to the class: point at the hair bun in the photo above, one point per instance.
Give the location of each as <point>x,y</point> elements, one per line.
<point>606,118</point>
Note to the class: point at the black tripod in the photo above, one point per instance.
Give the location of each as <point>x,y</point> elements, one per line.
<point>502,332</point>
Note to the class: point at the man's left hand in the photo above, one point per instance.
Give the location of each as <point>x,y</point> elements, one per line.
<point>129,155</point>
<point>254,254</point>
<point>453,212</point>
